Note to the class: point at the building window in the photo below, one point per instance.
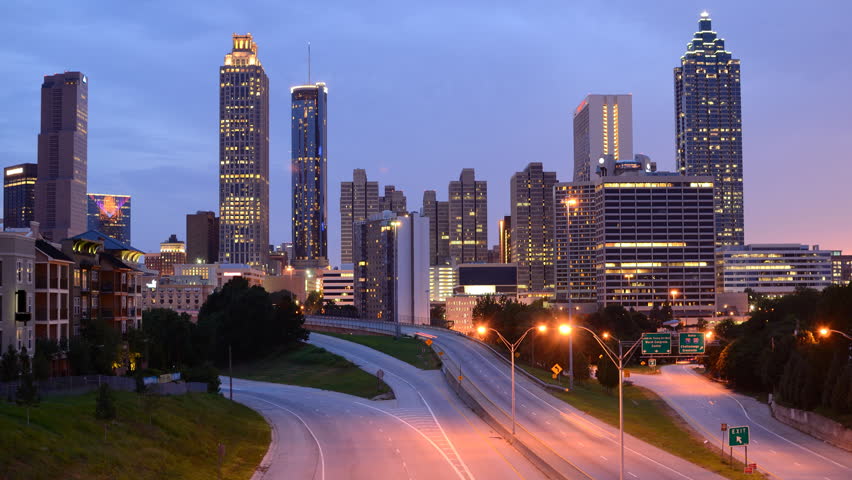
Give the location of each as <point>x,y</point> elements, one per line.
<point>76,277</point>
<point>19,271</point>
<point>76,305</point>
<point>30,272</point>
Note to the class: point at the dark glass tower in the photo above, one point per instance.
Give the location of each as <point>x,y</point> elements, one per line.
<point>309,166</point>
<point>708,116</point>
<point>19,195</point>
<point>243,156</point>
<point>110,215</point>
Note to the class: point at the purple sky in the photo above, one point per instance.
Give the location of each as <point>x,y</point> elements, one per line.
<point>419,90</point>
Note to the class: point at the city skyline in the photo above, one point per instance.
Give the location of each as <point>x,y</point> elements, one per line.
<point>193,188</point>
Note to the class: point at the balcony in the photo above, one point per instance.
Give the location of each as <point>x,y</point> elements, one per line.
<point>23,317</point>
<point>106,288</point>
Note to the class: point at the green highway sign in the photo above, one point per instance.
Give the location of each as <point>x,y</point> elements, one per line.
<point>737,436</point>
<point>691,343</point>
<point>656,343</point>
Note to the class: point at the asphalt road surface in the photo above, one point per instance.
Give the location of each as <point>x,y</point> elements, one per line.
<point>778,449</point>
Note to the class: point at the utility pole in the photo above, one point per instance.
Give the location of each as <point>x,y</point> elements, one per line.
<point>231,372</point>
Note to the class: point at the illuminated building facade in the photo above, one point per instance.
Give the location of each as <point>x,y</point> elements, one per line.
<point>110,215</point>
<point>442,280</point>
<point>392,268</point>
<point>393,201</point>
<point>202,237</point>
<point>172,252</point>
<point>19,183</point>
<point>603,125</point>
<point>775,269</point>
<point>359,200</point>
<point>60,204</point>
<point>438,213</point>
<point>505,231</point>
<point>468,200</point>
<point>531,195</point>
<point>575,254</point>
<point>243,156</point>
<point>338,286</point>
<point>309,166</point>
<point>708,118</point>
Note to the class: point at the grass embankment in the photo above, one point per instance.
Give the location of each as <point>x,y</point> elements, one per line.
<point>410,350</point>
<point>646,417</point>
<point>308,366</point>
<point>177,438</point>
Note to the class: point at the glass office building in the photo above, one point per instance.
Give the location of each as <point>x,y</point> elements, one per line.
<point>110,215</point>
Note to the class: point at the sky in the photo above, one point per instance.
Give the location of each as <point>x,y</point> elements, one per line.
<point>420,90</point>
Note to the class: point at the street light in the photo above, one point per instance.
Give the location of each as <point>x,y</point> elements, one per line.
<point>482,330</point>
<point>621,357</point>
<point>673,293</point>
<point>825,331</point>
<point>569,202</point>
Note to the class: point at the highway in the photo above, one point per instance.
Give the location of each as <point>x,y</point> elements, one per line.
<point>778,449</point>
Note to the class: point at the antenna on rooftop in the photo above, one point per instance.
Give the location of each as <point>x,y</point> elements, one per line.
<point>309,63</point>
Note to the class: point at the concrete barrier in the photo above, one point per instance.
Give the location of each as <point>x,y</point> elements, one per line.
<point>814,425</point>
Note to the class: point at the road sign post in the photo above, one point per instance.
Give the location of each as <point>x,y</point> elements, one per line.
<point>652,362</point>
<point>691,343</point>
<point>724,429</point>
<point>738,437</point>
<point>656,344</point>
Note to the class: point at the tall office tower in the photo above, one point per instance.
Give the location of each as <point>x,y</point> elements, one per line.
<point>505,232</point>
<point>603,125</point>
<point>19,182</point>
<point>393,201</point>
<point>359,200</point>
<point>110,215</point>
<point>531,196</point>
<point>62,156</point>
<point>468,219</point>
<point>708,117</point>
<point>202,237</point>
<point>172,252</point>
<point>439,227</point>
<point>574,242</point>
<point>392,268</point>
<point>243,156</point>
<point>309,166</point>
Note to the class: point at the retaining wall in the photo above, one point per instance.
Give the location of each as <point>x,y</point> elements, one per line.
<point>814,425</point>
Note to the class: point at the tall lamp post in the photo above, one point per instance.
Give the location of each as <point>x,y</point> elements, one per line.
<point>482,330</point>
<point>619,360</point>
<point>824,331</point>
<point>570,202</point>
<point>673,293</point>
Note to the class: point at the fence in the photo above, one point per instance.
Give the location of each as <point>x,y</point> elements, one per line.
<point>75,385</point>
<point>376,326</point>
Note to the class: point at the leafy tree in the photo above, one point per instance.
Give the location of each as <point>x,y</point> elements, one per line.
<point>80,356</point>
<point>841,397</point>
<point>41,366</point>
<point>105,344</point>
<point>206,374</point>
<point>607,373</point>
<point>313,304</point>
<point>168,339</point>
<point>10,365</point>
<point>104,403</point>
<point>438,312</point>
<point>27,394</point>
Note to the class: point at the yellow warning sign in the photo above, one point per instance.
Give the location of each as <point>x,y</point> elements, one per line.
<point>556,369</point>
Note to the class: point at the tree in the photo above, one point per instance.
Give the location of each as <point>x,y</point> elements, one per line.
<point>169,339</point>
<point>27,394</point>
<point>104,403</point>
<point>841,397</point>
<point>607,373</point>
<point>80,356</point>
<point>10,365</point>
<point>313,304</point>
<point>41,366</point>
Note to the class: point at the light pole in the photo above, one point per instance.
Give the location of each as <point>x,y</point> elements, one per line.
<point>824,331</point>
<point>618,360</point>
<point>569,202</point>
<point>673,293</point>
<point>482,330</point>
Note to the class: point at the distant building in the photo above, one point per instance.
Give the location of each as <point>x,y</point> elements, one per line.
<point>202,237</point>
<point>309,169</point>
<point>53,271</point>
<point>442,279</point>
<point>219,274</point>
<point>60,203</point>
<point>393,201</point>
<point>475,281</point>
<point>603,125</point>
<point>505,232</point>
<point>243,156</point>
<point>338,286</point>
<point>531,197</point>
<point>172,252</point>
<point>438,213</point>
<point>19,185</point>
<point>468,212</point>
<point>110,215</point>
<point>359,200</point>
<point>709,130</point>
<point>775,270</point>
<point>391,268</point>
<point>843,264</point>
<point>638,238</point>
<point>181,293</point>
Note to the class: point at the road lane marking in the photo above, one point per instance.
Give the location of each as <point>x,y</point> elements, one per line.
<point>631,473</point>
<point>319,447</point>
<point>605,460</point>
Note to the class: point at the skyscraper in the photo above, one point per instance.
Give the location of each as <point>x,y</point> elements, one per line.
<point>359,200</point>
<point>505,232</point>
<point>603,125</point>
<point>243,156</point>
<point>708,117</point>
<point>393,201</point>
<point>309,174</point>
<point>468,219</point>
<point>19,183</point>
<point>531,197</point>
<point>62,156</point>
<point>202,237</point>
<point>439,227</point>
<point>110,215</point>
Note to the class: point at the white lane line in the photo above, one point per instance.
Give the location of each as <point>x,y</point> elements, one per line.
<point>631,473</point>
<point>319,447</point>
<point>773,433</point>
<point>605,460</point>
<point>459,473</point>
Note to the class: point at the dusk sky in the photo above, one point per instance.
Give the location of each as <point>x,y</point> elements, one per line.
<point>419,90</point>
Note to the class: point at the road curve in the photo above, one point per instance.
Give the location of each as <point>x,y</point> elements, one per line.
<point>778,449</point>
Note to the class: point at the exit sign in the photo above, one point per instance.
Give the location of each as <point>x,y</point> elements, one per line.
<point>691,343</point>
<point>656,343</point>
<point>737,436</point>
